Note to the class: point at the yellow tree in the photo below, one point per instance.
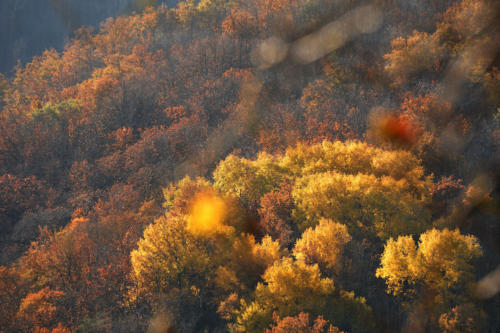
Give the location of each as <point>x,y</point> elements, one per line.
<point>439,268</point>
<point>291,287</point>
<point>353,183</point>
<point>353,157</point>
<point>192,257</point>
<point>383,206</point>
<point>173,272</point>
<point>169,257</point>
<point>322,245</point>
<point>247,179</point>
<point>441,260</point>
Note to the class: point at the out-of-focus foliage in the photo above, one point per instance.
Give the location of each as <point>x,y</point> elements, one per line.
<point>461,28</point>
<point>462,318</point>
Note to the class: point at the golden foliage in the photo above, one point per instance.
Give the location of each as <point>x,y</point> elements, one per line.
<point>441,261</point>
<point>382,205</point>
<point>322,245</point>
<point>290,287</point>
<point>169,257</point>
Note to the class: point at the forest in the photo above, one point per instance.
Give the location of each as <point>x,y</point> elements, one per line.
<point>256,166</point>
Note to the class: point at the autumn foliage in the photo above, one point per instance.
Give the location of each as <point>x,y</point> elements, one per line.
<point>180,169</point>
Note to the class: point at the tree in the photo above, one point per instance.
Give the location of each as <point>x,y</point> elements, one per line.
<point>413,55</point>
<point>249,180</point>
<point>19,195</point>
<point>464,27</point>
<point>384,206</point>
<point>276,215</point>
<point>12,290</point>
<point>301,324</point>
<point>169,257</point>
<point>322,245</point>
<point>172,271</point>
<point>4,84</point>
<point>91,135</point>
<point>41,310</point>
<point>292,286</point>
<point>462,318</point>
<point>64,261</point>
<point>353,157</point>
<point>335,105</point>
<point>436,273</point>
<point>389,186</point>
<point>441,261</point>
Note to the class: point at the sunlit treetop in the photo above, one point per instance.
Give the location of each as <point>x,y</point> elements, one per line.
<point>322,245</point>
<point>169,257</point>
<point>252,179</point>
<point>364,187</point>
<point>246,178</point>
<point>442,261</point>
<point>367,204</point>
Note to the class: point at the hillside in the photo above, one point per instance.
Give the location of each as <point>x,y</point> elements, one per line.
<point>31,26</point>
<point>251,166</point>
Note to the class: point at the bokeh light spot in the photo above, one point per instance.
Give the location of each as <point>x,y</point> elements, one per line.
<point>207,214</point>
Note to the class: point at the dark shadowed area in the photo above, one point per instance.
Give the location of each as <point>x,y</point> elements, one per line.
<point>28,27</point>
